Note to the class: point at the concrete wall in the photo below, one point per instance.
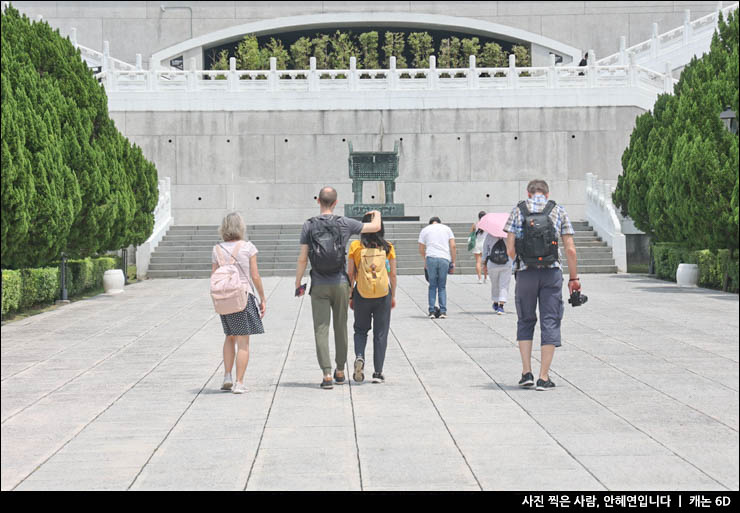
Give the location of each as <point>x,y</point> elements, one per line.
<point>453,163</point>
<point>141,27</point>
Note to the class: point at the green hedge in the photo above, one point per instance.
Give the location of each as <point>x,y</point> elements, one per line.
<point>28,287</point>
<point>11,290</point>
<point>712,265</point>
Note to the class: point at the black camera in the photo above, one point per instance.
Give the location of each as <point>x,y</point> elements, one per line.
<point>577,299</point>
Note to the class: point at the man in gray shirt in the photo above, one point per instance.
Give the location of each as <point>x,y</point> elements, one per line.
<point>330,290</point>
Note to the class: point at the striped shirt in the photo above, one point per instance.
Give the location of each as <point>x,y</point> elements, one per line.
<point>536,204</point>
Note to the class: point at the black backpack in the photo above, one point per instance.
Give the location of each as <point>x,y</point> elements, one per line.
<point>538,246</point>
<point>498,253</point>
<point>325,249</point>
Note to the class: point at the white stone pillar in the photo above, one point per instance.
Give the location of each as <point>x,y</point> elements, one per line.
<point>632,70</point>
<point>353,79</point>
<point>668,78</point>
<point>552,76</point>
<point>686,26</point>
<point>433,76</point>
<point>231,78</point>
<point>513,75</point>
<point>272,77</point>
<point>192,78</point>
<point>591,69</point>
<point>105,65</point>
<point>654,41</point>
<point>73,37</point>
<point>472,73</point>
<point>313,77</point>
<point>622,50</point>
<point>392,74</point>
<point>139,65</point>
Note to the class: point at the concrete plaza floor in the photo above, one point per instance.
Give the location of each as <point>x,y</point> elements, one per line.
<point>122,392</point>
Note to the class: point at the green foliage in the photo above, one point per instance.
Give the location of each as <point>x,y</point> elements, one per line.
<point>449,53</point>
<point>70,182</point>
<point>11,290</point>
<point>276,49</point>
<point>38,286</point>
<point>300,53</point>
<point>220,62</point>
<point>422,46</point>
<point>470,46</point>
<point>521,54</point>
<point>342,48</point>
<point>680,170</point>
<point>320,46</point>
<point>25,288</point>
<point>493,56</point>
<point>249,56</point>
<point>394,47</point>
<point>712,265</point>
<point>369,50</point>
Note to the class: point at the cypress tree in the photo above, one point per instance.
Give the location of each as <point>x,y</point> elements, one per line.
<point>66,184</point>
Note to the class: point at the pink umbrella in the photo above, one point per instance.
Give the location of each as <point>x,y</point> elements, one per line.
<point>494,223</point>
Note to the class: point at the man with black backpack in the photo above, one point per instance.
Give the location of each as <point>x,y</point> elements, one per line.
<point>533,229</point>
<point>324,241</point>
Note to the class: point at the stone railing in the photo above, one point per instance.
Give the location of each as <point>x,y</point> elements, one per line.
<point>605,218</point>
<point>392,79</point>
<point>162,221</point>
<point>95,59</point>
<point>694,35</point>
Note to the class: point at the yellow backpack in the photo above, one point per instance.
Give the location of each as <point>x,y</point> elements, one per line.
<point>372,276</point>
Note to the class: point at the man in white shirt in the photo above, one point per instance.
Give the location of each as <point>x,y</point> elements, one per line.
<point>437,248</point>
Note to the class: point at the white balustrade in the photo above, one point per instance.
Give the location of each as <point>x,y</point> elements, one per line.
<point>697,33</point>
<point>162,221</point>
<point>606,219</point>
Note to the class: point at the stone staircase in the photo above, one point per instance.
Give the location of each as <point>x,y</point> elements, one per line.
<point>185,252</point>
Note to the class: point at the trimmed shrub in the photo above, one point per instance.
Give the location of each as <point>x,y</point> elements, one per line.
<point>28,287</point>
<point>38,286</point>
<point>11,290</point>
<point>711,264</point>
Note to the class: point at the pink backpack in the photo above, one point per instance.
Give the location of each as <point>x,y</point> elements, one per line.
<point>227,291</point>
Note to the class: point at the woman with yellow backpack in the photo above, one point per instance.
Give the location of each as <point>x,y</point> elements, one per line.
<point>372,276</point>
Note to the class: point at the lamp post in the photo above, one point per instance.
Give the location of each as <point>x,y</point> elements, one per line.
<point>63,299</point>
<point>729,118</point>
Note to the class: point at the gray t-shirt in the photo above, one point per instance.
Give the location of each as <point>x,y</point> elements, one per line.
<point>347,228</point>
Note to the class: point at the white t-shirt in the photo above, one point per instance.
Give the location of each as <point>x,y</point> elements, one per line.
<point>436,237</point>
<point>245,253</point>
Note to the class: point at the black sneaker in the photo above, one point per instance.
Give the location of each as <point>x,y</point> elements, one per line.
<point>327,384</point>
<point>378,377</point>
<point>359,375</point>
<point>545,385</point>
<point>339,380</point>
<point>527,380</point>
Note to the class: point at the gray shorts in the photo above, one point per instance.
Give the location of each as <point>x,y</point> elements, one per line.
<point>546,287</point>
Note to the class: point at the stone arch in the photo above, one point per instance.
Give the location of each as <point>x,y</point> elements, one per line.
<point>541,46</point>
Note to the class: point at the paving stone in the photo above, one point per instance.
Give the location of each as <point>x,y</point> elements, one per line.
<point>112,393</point>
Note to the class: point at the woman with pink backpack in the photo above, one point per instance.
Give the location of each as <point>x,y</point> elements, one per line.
<point>234,282</point>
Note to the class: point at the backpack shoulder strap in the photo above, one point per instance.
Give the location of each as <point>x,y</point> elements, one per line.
<point>549,207</point>
<point>523,208</point>
<point>219,249</point>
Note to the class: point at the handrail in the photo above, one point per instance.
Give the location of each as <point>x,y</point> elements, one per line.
<point>605,219</point>
<point>353,79</point>
<point>162,221</point>
<point>661,44</point>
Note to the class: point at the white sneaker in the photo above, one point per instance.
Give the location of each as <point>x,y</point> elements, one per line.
<point>480,281</point>
<point>228,382</point>
<point>239,388</point>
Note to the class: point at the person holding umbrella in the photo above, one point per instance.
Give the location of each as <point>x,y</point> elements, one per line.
<point>498,262</point>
